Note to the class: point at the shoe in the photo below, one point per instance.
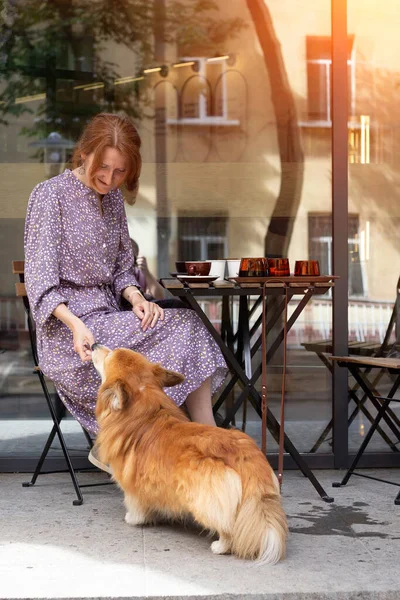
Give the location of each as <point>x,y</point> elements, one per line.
<point>94,459</point>
<point>219,419</point>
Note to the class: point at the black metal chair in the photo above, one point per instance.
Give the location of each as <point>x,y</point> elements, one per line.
<point>388,348</point>
<point>359,367</point>
<point>56,408</point>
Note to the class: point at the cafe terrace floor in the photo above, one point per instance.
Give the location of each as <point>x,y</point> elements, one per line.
<point>51,549</point>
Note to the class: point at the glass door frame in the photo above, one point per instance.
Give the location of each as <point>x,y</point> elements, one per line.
<point>340,116</point>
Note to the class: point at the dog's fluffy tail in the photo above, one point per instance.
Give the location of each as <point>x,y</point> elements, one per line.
<point>260,530</point>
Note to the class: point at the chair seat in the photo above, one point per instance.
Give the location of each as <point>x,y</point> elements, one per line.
<point>372,361</point>
<point>359,368</point>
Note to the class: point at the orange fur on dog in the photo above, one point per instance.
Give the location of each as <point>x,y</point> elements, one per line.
<point>170,467</point>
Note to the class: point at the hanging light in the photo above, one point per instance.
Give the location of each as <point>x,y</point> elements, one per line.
<point>218,58</point>
<point>32,98</point>
<point>55,147</point>
<point>89,86</point>
<point>152,70</point>
<point>129,79</point>
<point>187,63</point>
<point>163,70</point>
<point>230,59</point>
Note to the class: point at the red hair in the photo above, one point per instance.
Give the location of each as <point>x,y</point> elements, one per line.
<point>111,131</point>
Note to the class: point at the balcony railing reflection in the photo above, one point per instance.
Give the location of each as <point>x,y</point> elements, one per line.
<point>368,321</point>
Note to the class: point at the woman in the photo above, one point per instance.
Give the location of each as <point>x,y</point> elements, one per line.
<point>81,285</point>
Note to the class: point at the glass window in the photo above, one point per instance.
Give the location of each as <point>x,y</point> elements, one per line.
<point>231,167</point>
<point>202,238</point>
<point>319,76</point>
<point>320,247</point>
<point>373,191</point>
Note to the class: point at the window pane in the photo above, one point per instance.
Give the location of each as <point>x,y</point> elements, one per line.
<point>318,91</point>
<point>230,166</point>
<point>374,145</point>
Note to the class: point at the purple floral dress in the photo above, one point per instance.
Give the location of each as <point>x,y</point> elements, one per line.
<point>77,256</point>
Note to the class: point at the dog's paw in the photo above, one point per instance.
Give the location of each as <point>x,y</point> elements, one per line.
<point>134,519</point>
<point>220,546</point>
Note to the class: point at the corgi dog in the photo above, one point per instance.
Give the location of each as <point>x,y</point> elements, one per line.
<point>169,467</point>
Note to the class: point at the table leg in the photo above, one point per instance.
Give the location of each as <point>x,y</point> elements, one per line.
<point>254,396</point>
<point>226,323</point>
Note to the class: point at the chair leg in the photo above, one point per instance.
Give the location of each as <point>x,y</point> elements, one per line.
<point>56,430</point>
<point>365,443</point>
<point>42,458</point>
<point>89,439</point>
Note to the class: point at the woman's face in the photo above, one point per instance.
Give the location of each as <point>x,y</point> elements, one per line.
<point>111,173</point>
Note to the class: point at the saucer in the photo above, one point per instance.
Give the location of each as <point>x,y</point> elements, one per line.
<point>197,278</point>
<point>176,273</point>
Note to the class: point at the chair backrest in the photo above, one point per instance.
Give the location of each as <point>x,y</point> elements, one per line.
<point>18,268</point>
<point>394,325</point>
<point>397,305</point>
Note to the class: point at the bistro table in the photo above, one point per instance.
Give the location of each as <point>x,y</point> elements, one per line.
<point>239,360</point>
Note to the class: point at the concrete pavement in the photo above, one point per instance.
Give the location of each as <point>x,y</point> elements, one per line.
<point>50,549</point>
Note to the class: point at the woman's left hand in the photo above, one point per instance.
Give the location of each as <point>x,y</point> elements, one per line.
<point>148,312</point>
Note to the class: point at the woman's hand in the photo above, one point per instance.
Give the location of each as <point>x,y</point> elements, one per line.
<point>83,340</point>
<point>83,337</point>
<point>148,312</point>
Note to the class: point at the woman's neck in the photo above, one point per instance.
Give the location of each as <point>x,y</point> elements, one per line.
<point>82,179</point>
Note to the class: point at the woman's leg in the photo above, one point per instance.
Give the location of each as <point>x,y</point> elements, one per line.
<point>198,404</point>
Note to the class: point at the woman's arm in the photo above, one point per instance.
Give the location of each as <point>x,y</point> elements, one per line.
<point>147,312</point>
<point>43,237</point>
<point>42,241</point>
<point>83,337</point>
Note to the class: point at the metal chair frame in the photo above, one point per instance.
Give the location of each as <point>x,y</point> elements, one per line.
<point>324,348</point>
<point>357,367</point>
<point>56,407</point>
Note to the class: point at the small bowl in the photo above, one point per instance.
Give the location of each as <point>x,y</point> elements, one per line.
<point>279,267</point>
<point>198,267</point>
<point>180,266</point>
<point>306,267</point>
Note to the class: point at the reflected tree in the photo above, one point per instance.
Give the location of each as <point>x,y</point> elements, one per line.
<point>291,154</point>
<point>47,49</point>
<point>56,51</point>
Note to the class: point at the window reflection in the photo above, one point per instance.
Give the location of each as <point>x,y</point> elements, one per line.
<point>235,117</point>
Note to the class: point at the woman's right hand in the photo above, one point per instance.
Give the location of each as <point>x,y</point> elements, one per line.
<point>83,337</point>
<point>83,340</point>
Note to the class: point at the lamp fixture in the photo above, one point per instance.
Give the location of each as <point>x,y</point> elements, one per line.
<point>89,86</point>
<point>94,86</point>
<point>54,148</point>
<point>129,79</point>
<point>188,63</point>
<point>218,58</point>
<point>163,70</point>
<point>152,70</point>
<point>32,98</point>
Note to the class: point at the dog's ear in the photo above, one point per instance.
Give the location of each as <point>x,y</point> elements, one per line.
<point>167,378</point>
<point>115,395</point>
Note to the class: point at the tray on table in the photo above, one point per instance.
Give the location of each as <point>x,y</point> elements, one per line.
<point>292,280</point>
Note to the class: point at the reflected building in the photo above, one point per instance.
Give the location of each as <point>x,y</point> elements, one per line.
<point>237,151</point>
